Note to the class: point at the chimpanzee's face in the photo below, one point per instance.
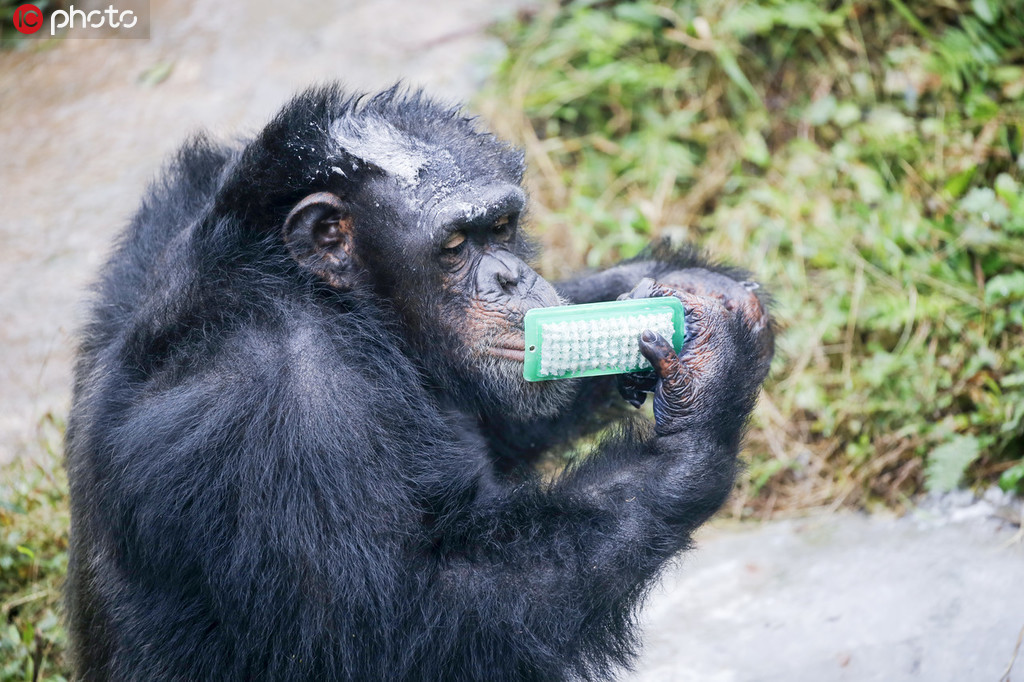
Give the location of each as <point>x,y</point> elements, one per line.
<point>452,263</point>
<point>442,241</point>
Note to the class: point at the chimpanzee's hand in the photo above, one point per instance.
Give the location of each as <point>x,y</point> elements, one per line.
<point>738,296</point>
<point>723,360</point>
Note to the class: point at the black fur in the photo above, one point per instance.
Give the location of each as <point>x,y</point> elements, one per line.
<point>267,484</point>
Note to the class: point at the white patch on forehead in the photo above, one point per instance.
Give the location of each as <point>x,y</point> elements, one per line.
<point>379,143</point>
<point>470,211</point>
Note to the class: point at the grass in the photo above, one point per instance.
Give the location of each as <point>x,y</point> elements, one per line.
<point>863,158</point>
<point>33,559</point>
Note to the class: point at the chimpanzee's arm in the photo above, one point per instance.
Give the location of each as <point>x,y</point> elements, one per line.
<point>566,565</point>
<point>654,262</point>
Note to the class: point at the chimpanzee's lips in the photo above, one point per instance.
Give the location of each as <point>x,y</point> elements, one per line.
<point>509,349</point>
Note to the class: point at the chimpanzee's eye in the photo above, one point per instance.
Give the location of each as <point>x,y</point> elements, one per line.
<point>454,243</point>
<point>503,227</point>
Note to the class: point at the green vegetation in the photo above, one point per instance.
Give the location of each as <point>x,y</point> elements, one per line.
<point>863,158</point>
<point>33,559</point>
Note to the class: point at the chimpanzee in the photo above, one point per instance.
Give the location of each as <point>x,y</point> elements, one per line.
<point>300,445</point>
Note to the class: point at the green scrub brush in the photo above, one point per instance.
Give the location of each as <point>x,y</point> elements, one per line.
<point>585,340</point>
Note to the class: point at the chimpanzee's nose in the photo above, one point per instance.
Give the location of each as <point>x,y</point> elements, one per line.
<point>507,276</point>
<point>504,270</point>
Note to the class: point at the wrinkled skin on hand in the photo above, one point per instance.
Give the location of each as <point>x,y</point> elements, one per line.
<point>726,353</point>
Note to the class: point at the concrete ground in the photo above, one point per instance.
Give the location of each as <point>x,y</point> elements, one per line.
<point>937,597</point>
<point>85,125</point>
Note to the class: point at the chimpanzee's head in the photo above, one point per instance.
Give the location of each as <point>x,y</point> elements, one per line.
<point>409,200</point>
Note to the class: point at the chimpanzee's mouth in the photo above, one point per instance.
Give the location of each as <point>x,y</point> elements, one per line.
<point>514,354</point>
<point>509,348</point>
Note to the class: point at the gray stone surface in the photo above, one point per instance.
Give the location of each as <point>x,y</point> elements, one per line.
<point>843,597</point>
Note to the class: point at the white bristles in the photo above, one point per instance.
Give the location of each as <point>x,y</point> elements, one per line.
<point>608,343</point>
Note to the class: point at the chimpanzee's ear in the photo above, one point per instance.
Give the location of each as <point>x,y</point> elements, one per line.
<point>319,236</point>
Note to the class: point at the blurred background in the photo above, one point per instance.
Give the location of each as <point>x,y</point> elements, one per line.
<point>864,158</point>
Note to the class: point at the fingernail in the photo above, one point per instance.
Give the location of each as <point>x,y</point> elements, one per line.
<point>648,336</point>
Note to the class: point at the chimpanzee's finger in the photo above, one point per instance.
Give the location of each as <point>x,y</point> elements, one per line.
<point>634,386</point>
<point>630,393</point>
<point>658,352</point>
<point>645,288</point>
